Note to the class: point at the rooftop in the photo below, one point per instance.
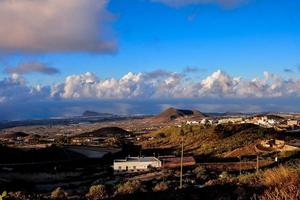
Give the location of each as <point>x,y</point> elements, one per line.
<point>137,159</point>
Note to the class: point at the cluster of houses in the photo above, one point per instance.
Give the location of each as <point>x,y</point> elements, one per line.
<point>264,121</point>
<point>24,139</point>
<point>281,145</point>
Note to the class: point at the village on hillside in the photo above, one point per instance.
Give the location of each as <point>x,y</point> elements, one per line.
<point>172,150</point>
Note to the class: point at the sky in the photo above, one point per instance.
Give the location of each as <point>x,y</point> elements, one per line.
<point>59,58</point>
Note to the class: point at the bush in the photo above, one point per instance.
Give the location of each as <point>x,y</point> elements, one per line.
<point>201,172</point>
<point>59,193</point>
<point>249,179</point>
<point>17,195</point>
<point>162,135</point>
<point>224,175</point>
<point>97,192</point>
<point>129,187</point>
<point>162,186</point>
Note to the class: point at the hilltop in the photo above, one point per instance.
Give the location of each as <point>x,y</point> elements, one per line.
<point>107,131</point>
<point>14,135</point>
<point>171,114</point>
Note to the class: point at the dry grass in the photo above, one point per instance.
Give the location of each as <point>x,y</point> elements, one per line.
<point>283,183</point>
<point>279,175</point>
<point>201,140</point>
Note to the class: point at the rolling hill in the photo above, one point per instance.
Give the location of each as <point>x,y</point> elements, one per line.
<point>214,140</point>
<point>14,135</point>
<point>171,114</point>
<point>105,132</point>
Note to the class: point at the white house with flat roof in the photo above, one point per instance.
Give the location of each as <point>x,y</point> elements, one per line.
<point>135,164</point>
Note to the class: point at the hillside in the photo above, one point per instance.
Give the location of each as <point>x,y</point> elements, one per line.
<point>14,135</point>
<point>208,140</point>
<point>105,132</point>
<point>173,114</point>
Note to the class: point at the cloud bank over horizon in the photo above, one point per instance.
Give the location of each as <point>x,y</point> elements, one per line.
<point>161,89</point>
<point>157,84</point>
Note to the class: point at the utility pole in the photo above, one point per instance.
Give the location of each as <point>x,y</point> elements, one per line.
<point>257,163</point>
<point>240,165</point>
<point>181,163</point>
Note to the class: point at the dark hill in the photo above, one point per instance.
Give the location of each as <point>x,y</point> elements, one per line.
<point>173,113</point>
<point>108,131</point>
<point>14,135</point>
<point>270,116</point>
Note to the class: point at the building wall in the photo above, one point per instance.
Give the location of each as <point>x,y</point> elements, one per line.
<point>292,123</point>
<point>135,165</point>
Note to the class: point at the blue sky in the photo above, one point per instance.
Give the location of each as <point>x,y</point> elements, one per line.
<point>242,41</point>
<point>245,41</point>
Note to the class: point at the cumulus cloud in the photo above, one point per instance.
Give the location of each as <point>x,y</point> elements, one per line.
<point>157,85</point>
<point>180,3</point>
<point>152,85</point>
<point>142,92</point>
<point>29,67</point>
<point>55,25</point>
<point>16,89</point>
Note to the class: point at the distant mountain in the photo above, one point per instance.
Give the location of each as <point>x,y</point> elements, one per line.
<point>107,131</point>
<point>173,114</point>
<point>270,116</point>
<point>89,113</point>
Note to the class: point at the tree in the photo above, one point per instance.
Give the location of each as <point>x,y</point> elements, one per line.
<point>224,175</point>
<point>161,186</point>
<point>59,194</point>
<point>129,187</point>
<point>97,192</point>
<point>201,172</point>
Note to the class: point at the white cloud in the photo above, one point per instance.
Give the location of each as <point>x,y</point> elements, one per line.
<point>179,3</point>
<point>151,86</point>
<point>15,89</point>
<point>55,25</point>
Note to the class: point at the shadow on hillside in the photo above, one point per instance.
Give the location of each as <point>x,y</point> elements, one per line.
<point>211,192</point>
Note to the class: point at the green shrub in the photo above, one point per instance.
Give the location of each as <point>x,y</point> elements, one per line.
<point>128,187</point>
<point>162,135</point>
<point>59,193</point>
<point>249,179</point>
<point>162,186</point>
<point>97,192</point>
<point>200,172</point>
<point>224,175</point>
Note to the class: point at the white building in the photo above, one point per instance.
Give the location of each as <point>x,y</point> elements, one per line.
<point>192,122</point>
<point>293,122</point>
<point>233,120</point>
<point>135,164</point>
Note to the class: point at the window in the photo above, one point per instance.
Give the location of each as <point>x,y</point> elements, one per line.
<point>126,168</point>
<point>120,168</point>
<point>134,167</point>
